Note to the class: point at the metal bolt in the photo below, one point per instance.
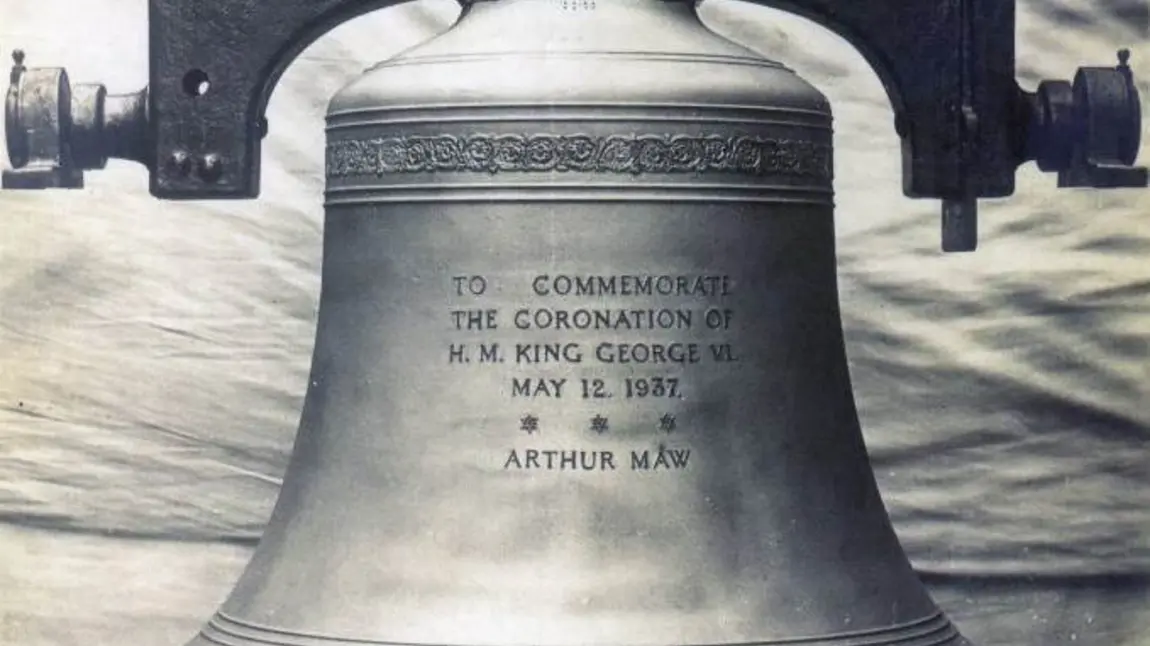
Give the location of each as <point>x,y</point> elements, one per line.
<point>960,224</point>
<point>18,67</point>
<point>181,162</point>
<point>210,168</point>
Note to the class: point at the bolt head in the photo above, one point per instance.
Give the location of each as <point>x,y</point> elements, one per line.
<point>180,162</point>
<point>210,168</point>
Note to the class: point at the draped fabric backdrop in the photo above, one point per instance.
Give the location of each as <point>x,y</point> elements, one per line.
<point>154,355</point>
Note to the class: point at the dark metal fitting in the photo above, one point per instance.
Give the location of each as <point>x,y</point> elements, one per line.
<point>1089,131</point>
<point>56,131</point>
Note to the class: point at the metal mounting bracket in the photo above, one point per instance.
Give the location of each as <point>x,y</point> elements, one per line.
<point>948,67</point>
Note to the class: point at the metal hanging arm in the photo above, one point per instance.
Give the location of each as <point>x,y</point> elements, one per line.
<point>213,66</point>
<point>947,65</point>
<point>242,47</point>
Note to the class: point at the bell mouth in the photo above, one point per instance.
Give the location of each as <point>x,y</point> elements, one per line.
<point>579,6</point>
<point>587,4</point>
<point>583,5</point>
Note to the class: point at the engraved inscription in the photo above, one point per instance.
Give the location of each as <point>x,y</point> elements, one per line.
<point>530,388</point>
<point>548,375</point>
<point>625,154</point>
<point>560,460</point>
<point>661,458</point>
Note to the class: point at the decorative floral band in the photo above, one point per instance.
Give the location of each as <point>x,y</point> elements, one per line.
<point>637,154</point>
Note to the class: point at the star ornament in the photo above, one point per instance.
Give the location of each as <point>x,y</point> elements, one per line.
<point>529,424</point>
<point>667,423</point>
<point>599,424</point>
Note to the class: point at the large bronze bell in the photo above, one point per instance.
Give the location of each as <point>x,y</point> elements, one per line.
<point>579,376</point>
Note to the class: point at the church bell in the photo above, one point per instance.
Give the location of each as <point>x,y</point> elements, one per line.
<point>579,375</point>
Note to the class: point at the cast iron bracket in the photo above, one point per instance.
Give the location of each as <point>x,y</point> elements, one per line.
<point>948,67</point>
